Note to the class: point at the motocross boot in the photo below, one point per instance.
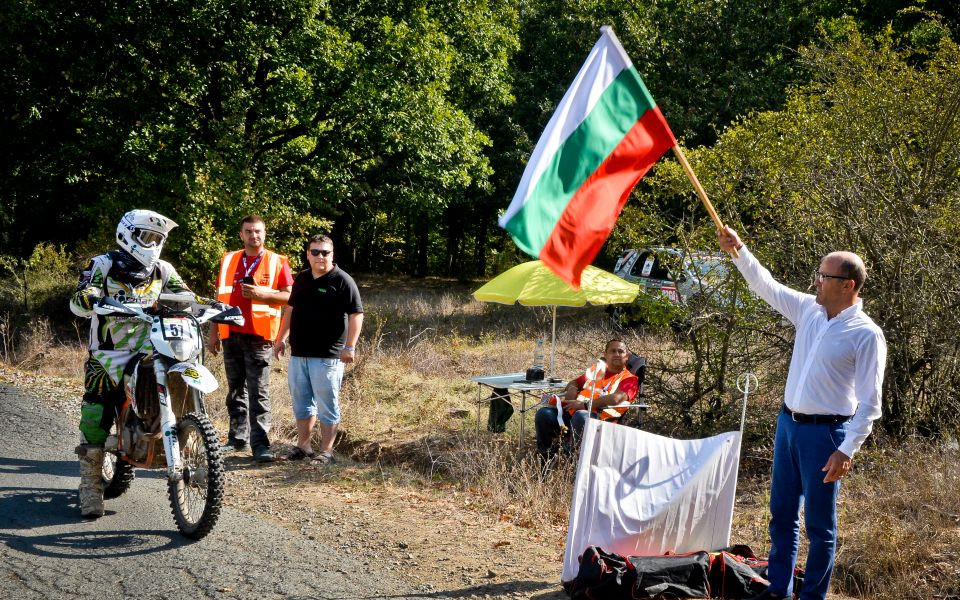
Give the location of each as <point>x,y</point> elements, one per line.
<point>91,480</point>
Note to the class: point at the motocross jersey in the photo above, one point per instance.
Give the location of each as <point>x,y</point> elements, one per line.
<point>116,339</point>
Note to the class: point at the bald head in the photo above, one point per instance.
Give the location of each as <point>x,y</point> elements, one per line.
<point>850,265</point>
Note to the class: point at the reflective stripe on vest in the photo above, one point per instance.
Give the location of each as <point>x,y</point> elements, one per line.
<point>597,386</point>
<point>264,317</point>
<point>266,308</point>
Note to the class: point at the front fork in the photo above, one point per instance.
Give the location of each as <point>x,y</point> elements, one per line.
<point>168,423</point>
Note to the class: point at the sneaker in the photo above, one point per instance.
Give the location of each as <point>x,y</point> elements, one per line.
<point>262,454</point>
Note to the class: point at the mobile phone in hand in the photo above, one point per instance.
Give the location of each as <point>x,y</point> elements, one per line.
<point>248,280</point>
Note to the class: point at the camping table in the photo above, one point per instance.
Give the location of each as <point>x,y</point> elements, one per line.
<point>516,385</point>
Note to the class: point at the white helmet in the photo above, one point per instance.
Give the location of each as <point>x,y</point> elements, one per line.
<point>142,233</point>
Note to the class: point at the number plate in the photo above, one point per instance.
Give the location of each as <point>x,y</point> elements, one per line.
<point>177,328</point>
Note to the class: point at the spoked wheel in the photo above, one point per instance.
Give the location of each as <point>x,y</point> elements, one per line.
<point>117,475</point>
<point>196,498</point>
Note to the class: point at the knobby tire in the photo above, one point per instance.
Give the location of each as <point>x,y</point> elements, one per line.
<point>116,480</point>
<point>198,436</point>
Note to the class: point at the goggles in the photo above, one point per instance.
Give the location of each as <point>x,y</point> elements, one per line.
<point>148,238</point>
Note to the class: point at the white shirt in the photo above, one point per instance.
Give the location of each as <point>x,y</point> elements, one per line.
<point>837,364</point>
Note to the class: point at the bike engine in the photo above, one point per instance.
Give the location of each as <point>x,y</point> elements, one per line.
<point>133,439</point>
<point>144,416</point>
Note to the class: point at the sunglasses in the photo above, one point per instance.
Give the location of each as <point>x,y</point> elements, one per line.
<point>319,252</point>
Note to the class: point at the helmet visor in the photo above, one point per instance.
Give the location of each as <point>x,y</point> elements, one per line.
<point>148,238</point>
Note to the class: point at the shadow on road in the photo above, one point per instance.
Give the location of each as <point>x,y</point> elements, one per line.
<point>86,545</point>
<point>19,466</point>
<point>28,508</point>
<point>62,468</point>
<point>33,508</point>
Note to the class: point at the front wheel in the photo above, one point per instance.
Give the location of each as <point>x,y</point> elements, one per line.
<point>117,475</point>
<point>197,497</point>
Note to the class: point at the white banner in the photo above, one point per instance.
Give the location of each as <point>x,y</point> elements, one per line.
<point>642,494</point>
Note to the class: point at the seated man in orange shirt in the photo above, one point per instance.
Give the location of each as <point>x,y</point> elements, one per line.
<point>608,382</point>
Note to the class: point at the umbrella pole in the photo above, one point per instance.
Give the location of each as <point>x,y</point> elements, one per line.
<point>553,343</point>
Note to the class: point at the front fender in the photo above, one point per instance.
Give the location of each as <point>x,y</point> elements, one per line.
<point>196,376</point>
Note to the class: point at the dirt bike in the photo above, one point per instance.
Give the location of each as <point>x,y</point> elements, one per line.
<point>162,421</point>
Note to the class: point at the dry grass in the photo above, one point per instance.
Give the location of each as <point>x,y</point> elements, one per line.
<point>902,522</point>
<point>36,348</point>
<point>410,410</point>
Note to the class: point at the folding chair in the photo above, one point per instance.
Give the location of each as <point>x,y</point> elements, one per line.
<point>635,411</point>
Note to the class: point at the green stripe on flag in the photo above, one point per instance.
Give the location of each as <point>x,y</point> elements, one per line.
<point>620,106</point>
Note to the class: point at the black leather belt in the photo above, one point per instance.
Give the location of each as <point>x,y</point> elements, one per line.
<point>816,419</point>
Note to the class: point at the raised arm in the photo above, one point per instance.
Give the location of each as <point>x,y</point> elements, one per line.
<point>786,301</point>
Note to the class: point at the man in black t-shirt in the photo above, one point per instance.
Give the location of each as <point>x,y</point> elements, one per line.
<point>323,322</point>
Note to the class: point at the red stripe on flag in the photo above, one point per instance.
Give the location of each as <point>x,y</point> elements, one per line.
<point>590,215</point>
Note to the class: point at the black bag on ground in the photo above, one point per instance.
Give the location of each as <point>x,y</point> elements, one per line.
<point>602,575</point>
<point>731,573</point>
<point>500,410</point>
<point>672,576</point>
<point>736,572</point>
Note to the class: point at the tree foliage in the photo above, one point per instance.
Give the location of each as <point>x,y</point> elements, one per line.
<point>403,128</point>
<point>403,125</point>
<point>303,110</point>
<point>864,157</point>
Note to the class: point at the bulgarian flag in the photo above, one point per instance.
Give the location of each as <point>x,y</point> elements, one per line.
<point>604,136</point>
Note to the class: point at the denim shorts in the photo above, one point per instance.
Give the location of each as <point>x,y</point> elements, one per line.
<point>315,388</point>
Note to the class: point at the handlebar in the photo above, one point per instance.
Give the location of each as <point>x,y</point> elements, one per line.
<point>217,312</point>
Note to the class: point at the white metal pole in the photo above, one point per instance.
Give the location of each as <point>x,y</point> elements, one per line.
<point>553,344</point>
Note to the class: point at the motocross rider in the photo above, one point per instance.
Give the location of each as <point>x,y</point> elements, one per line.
<point>131,274</point>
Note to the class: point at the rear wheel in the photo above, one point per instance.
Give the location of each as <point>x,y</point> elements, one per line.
<point>117,475</point>
<point>197,497</point>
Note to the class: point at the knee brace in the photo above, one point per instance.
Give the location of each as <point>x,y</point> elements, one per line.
<point>94,421</point>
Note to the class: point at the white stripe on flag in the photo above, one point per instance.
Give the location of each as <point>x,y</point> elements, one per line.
<point>605,61</point>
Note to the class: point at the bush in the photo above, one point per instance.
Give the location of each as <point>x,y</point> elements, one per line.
<point>864,158</point>
<point>37,287</point>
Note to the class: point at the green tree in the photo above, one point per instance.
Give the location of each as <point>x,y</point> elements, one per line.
<point>864,157</point>
<point>209,110</point>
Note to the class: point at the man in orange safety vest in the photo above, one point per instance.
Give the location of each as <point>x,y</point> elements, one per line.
<point>258,282</point>
<point>610,386</point>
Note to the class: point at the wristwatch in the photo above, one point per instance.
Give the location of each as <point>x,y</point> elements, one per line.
<point>351,348</point>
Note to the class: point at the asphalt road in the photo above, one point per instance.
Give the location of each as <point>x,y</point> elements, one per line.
<point>135,551</point>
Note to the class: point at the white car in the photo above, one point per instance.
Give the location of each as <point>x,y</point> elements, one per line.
<point>671,271</point>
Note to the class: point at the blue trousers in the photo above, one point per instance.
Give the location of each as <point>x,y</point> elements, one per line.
<point>548,430</point>
<point>800,451</point>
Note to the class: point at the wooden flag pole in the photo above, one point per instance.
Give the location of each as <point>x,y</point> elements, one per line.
<point>700,191</point>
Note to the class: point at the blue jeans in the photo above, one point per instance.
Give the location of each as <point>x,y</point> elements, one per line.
<point>800,451</point>
<point>315,388</point>
<point>548,430</point>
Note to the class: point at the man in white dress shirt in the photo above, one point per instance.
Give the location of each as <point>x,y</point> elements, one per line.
<point>830,402</point>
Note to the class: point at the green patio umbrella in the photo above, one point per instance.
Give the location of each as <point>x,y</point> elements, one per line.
<point>534,284</point>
